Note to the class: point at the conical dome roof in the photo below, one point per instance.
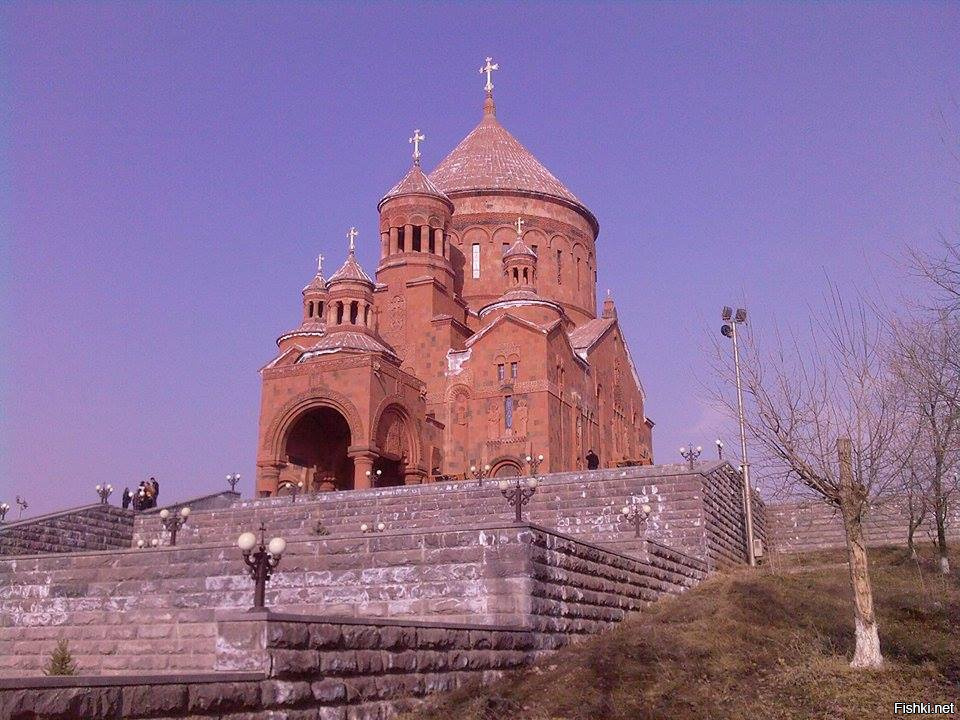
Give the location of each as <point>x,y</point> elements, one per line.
<point>490,158</point>
<point>519,247</point>
<point>415,182</point>
<point>319,283</point>
<point>350,270</point>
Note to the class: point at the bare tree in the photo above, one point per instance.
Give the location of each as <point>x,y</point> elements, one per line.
<point>823,414</point>
<point>926,365</point>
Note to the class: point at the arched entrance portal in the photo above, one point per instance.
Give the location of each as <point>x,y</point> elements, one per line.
<point>316,452</point>
<point>506,468</point>
<point>394,442</point>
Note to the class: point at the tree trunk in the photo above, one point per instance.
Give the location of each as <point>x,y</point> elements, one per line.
<point>866,653</point>
<point>942,541</point>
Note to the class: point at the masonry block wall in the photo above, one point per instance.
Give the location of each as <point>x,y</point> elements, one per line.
<point>92,527</point>
<point>153,610</point>
<point>815,525</point>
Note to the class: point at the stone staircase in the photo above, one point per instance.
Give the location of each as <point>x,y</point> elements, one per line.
<point>91,527</point>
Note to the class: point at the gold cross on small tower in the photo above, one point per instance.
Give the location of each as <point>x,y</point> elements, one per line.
<point>352,234</point>
<point>416,140</point>
<point>488,69</point>
<point>320,264</point>
<point>520,223</point>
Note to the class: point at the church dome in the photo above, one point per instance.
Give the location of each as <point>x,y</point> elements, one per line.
<point>350,271</point>
<point>415,182</point>
<point>490,159</point>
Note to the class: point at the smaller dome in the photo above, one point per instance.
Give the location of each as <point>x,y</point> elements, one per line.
<point>319,283</point>
<point>415,182</point>
<point>520,248</point>
<point>350,270</point>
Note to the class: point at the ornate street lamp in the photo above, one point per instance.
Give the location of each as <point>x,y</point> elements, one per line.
<point>3,511</point>
<point>719,443</point>
<point>691,454</point>
<point>294,489</point>
<point>172,523</point>
<point>534,463</point>
<point>518,493</point>
<point>374,476</point>
<point>261,563</point>
<point>104,492</point>
<point>233,479</point>
<point>23,504</point>
<point>636,514</point>
<point>480,474</point>
<point>378,528</point>
<point>729,329</point>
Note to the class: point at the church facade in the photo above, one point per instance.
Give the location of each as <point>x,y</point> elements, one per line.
<point>476,345</point>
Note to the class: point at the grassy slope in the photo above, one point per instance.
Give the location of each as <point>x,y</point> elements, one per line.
<point>746,645</point>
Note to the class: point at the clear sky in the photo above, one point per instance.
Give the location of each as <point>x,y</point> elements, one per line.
<point>170,170</point>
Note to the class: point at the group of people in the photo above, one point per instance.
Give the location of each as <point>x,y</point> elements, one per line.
<point>145,496</point>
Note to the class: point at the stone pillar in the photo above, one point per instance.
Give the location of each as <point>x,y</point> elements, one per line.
<point>438,241</point>
<point>408,238</point>
<point>425,238</point>
<point>384,244</point>
<point>362,463</point>
<point>269,478</point>
<point>394,239</point>
<point>413,476</point>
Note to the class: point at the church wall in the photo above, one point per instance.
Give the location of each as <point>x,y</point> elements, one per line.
<point>550,227</point>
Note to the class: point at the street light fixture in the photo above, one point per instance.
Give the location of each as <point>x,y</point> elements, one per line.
<point>518,493</point>
<point>172,523</point>
<point>729,329</point>
<point>691,454</point>
<point>294,489</point>
<point>377,528</point>
<point>23,504</point>
<point>374,476</point>
<point>261,563</point>
<point>104,492</point>
<point>233,479</point>
<point>3,511</point>
<point>719,444</point>
<point>636,514</point>
<point>534,463</point>
<point>480,474</point>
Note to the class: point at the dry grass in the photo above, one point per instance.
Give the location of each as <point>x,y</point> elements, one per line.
<point>769,645</point>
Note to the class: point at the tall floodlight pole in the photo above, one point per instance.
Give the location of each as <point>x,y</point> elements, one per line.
<point>729,330</point>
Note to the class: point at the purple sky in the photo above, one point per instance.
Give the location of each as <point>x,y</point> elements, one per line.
<point>170,170</point>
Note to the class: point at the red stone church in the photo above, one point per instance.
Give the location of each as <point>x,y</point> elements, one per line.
<point>476,343</point>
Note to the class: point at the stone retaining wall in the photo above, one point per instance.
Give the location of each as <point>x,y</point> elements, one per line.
<point>698,510</point>
<point>91,527</point>
<point>815,525</point>
<point>153,610</point>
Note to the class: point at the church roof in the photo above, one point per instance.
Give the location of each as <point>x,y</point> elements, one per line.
<point>490,158</point>
<point>415,182</point>
<point>350,270</point>
<point>347,340</point>
<point>585,336</point>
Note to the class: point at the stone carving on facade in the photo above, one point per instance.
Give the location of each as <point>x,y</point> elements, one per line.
<point>520,419</point>
<point>397,312</point>
<point>494,420</point>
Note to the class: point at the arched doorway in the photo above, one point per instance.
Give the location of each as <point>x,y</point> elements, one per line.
<point>506,468</point>
<point>394,443</point>
<point>316,452</point>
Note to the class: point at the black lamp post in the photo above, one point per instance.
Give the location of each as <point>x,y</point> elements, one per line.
<point>691,454</point>
<point>375,528</point>
<point>719,444</point>
<point>534,462</point>
<point>294,489</point>
<point>636,514</point>
<point>261,563</point>
<point>480,474</point>
<point>3,511</point>
<point>518,493</point>
<point>104,492</point>
<point>233,479</point>
<point>172,523</point>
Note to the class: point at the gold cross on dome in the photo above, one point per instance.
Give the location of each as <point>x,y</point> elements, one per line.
<point>416,140</point>
<point>520,223</point>
<point>352,234</point>
<point>488,69</point>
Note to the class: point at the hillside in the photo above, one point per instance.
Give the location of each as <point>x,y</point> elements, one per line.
<point>763,645</point>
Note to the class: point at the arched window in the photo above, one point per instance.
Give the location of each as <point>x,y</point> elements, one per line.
<point>339,313</point>
<point>400,239</point>
<point>310,309</point>
<point>320,310</point>
<point>353,312</point>
<point>416,244</point>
